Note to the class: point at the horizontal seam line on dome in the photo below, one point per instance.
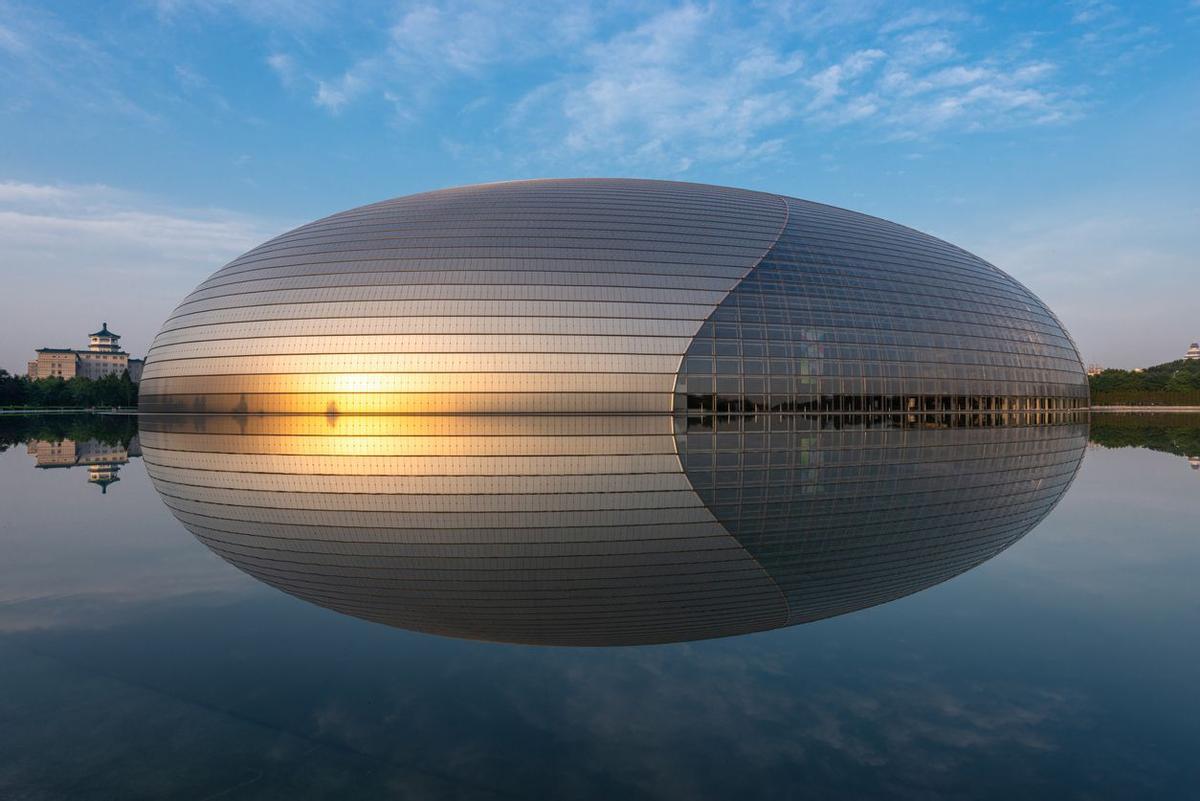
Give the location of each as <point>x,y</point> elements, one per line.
<point>1017,470</point>
<point>656,320</point>
<point>583,228</point>
<point>548,353</point>
<point>817,304</point>
<point>788,251</point>
<point>393,476</point>
<point>452,299</point>
<point>720,226</point>
<point>649,275</point>
<point>356,336</point>
<point>766,308</point>
<point>772,289</point>
<point>854,447</point>
<point>308,493</point>
<point>1065,365</point>
<point>714,339</point>
<point>686,263</point>
<point>584,208</point>
<point>770,269</point>
<point>664,215</point>
<point>1062,469</point>
<point>464,283</point>
<point>777,285</point>
<point>790,434</point>
<point>599,511</point>
<point>543,243</point>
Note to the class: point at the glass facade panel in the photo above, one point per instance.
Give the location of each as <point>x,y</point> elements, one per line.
<point>887,319</point>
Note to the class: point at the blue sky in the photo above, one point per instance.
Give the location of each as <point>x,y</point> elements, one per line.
<point>142,145</point>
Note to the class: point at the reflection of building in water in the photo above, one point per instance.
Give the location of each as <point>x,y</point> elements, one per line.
<point>607,530</point>
<point>102,461</point>
<point>1194,461</point>
<point>102,357</point>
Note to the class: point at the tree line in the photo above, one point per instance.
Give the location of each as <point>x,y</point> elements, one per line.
<point>1170,433</point>
<point>1182,375</point>
<point>111,390</point>
<point>108,429</point>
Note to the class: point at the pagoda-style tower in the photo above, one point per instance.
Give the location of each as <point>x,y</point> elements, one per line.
<point>102,475</point>
<point>104,341</point>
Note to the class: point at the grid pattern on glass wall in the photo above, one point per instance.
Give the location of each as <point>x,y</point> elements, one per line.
<point>847,313</point>
<point>907,507</point>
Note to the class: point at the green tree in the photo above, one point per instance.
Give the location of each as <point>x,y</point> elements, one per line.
<point>14,390</point>
<point>110,390</point>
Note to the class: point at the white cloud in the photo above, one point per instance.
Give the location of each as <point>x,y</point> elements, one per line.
<point>923,17</point>
<point>600,86</point>
<point>10,41</point>
<point>1092,10</point>
<point>463,39</point>
<point>665,93</point>
<point>284,14</point>
<point>828,82</point>
<point>429,46</point>
<point>697,83</point>
<point>1111,39</point>
<point>15,192</point>
<point>189,77</point>
<point>44,63</point>
<point>334,95</point>
<point>922,47</point>
<point>71,252</point>
<point>284,67</point>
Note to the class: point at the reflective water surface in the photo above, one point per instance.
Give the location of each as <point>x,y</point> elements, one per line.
<point>138,660</point>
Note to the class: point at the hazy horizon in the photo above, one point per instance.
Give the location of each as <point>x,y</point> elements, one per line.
<point>148,144</point>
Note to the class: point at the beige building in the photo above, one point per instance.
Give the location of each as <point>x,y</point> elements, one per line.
<point>103,462</point>
<point>102,357</point>
<point>1193,352</point>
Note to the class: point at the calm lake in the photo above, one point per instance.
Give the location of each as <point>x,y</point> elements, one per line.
<point>952,655</point>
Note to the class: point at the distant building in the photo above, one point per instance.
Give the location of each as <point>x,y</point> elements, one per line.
<point>102,461</point>
<point>102,357</point>
<point>1095,369</point>
<point>1193,352</point>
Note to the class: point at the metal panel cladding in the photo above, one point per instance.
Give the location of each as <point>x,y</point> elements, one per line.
<point>535,296</point>
<point>585,295</point>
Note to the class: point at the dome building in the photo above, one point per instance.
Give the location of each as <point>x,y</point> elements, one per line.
<point>602,296</point>
<point>603,412</point>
